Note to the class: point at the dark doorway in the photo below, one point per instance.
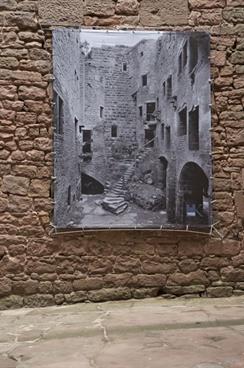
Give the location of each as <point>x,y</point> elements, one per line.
<point>87,145</point>
<point>149,137</point>
<point>151,106</point>
<point>193,187</point>
<point>91,185</point>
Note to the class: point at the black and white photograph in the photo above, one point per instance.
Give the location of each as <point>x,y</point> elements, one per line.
<point>132,121</point>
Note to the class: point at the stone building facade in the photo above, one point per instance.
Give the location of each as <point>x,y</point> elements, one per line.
<point>150,103</point>
<point>39,268</point>
<point>67,117</point>
<point>108,111</point>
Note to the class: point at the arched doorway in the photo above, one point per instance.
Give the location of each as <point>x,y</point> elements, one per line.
<point>192,195</point>
<point>90,185</point>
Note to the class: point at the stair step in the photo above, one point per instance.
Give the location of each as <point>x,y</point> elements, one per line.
<point>122,209</point>
<point>113,200</point>
<point>117,209</point>
<point>118,189</point>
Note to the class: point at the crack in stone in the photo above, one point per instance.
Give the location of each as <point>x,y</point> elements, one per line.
<point>99,323</point>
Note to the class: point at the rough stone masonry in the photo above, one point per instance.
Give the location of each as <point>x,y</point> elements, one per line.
<point>38,268</point>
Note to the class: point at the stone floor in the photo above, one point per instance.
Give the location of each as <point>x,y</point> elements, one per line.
<point>89,213</point>
<point>152,333</point>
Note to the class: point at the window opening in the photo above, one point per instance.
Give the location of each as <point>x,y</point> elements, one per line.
<point>169,86</point>
<point>164,88</point>
<point>101,111</point>
<point>150,111</point>
<point>140,111</point>
<point>194,129</point>
<point>76,127</point>
<point>58,113</point>
<point>69,196</point>
<point>180,63</point>
<point>162,132</point>
<point>184,55</point>
<point>134,98</point>
<point>86,148</point>
<point>114,131</point>
<point>182,129</point>
<point>168,138</point>
<point>144,80</point>
<point>149,137</point>
<point>193,53</point>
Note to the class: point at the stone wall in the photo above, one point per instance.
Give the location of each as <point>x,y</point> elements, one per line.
<point>39,268</point>
<point>93,96</point>
<point>66,85</point>
<point>190,90</point>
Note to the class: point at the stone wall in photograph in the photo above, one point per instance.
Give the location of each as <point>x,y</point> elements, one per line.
<point>66,85</point>
<point>39,268</point>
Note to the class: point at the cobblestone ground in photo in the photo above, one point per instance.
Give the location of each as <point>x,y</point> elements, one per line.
<point>88,212</point>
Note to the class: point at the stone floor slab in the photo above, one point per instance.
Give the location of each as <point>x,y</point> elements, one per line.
<point>152,333</point>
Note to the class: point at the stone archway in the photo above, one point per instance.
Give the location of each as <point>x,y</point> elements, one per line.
<point>192,189</point>
<point>91,185</point>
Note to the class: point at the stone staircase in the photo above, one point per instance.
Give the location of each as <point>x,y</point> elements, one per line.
<point>115,201</point>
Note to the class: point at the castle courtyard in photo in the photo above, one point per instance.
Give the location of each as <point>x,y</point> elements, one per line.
<point>132,123</point>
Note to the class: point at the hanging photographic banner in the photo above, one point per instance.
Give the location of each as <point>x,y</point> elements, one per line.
<point>132,125</point>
